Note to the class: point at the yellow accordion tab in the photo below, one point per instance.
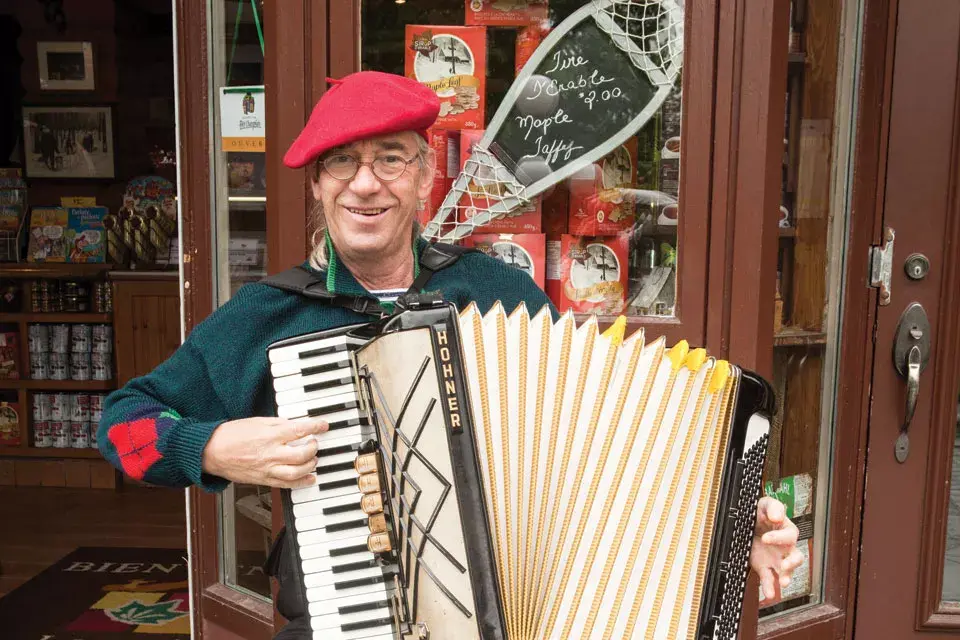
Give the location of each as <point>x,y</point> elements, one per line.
<point>695,359</point>
<point>721,371</point>
<point>678,353</point>
<point>616,331</point>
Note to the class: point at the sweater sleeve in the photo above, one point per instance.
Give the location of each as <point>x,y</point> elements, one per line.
<point>155,428</point>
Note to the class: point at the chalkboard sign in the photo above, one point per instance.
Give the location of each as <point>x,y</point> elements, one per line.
<point>591,84</point>
<point>585,91</point>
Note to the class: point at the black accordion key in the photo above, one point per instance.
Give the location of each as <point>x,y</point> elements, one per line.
<point>366,624</point>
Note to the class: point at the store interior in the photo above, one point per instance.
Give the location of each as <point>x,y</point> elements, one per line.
<point>90,295</point>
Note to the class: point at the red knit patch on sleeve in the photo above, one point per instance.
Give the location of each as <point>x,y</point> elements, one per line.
<point>136,444</point>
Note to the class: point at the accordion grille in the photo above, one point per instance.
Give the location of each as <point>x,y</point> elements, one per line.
<point>602,514</point>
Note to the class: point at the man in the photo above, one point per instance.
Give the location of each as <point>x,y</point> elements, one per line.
<point>202,417</point>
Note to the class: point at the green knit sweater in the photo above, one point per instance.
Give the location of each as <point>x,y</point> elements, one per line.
<point>156,427</point>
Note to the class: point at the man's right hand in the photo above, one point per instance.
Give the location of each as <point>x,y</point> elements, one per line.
<point>274,452</point>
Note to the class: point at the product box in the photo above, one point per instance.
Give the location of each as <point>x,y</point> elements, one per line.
<point>525,251</point>
<point>528,39</point>
<point>48,226</point>
<point>521,220</point>
<point>453,62</point>
<point>84,236</point>
<point>9,424</point>
<point>446,147</point>
<point>9,356</point>
<point>593,274</point>
<point>505,13</point>
<point>598,206</point>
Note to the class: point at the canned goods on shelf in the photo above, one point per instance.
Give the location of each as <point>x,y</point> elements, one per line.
<point>81,338</point>
<point>38,338</point>
<point>40,366</point>
<point>59,366</point>
<point>79,435</point>
<point>60,434</point>
<point>41,434</point>
<point>80,366</point>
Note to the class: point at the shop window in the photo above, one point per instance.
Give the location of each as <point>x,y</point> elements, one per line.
<point>605,239</point>
<point>239,224</point>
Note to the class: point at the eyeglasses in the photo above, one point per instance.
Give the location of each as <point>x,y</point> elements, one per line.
<point>388,168</point>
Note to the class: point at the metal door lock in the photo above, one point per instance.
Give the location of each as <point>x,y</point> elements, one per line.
<point>917,266</point>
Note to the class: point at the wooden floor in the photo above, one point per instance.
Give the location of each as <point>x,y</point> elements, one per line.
<point>40,525</point>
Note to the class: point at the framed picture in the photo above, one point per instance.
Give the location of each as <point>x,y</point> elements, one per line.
<point>66,66</point>
<point>68,142</point>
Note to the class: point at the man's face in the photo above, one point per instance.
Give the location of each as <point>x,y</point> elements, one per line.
<point>368,216</point>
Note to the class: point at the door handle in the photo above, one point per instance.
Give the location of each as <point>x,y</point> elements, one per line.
<point>911,352</point>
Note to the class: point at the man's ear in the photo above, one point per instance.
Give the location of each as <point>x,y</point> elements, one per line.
<point>427,175</point>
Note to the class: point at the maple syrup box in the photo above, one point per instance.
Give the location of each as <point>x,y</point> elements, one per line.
<point>525,219</point>
<point>445,145</point>
<point>589,274</point>
<point>453,62</point>
<point>597,205</point>
<point>525,251</point>
<point>505,13</point>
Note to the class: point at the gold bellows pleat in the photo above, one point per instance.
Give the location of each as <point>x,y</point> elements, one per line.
<point>601,460</point>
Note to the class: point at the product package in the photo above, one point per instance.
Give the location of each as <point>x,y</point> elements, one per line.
<point>598,204</point>
<point>525,251</point>
<point>48,227</point>
<point>84,236</point>
<point>453,62</point>
<point>505,13</point>
<point>593,274</point>
<point>446,146</point>
<point>528,39</point>
<point>525,219</point>
<point>9,356</point>
<point>9,424</point>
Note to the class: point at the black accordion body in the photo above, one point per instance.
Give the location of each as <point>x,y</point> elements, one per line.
<point>504,475</point>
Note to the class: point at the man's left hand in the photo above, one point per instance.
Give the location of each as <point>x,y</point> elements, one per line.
<point>774,554</point>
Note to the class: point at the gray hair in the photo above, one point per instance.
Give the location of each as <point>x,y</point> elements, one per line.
<point>319,256</point>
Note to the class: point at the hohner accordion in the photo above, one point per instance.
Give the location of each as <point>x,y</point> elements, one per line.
<point>508,476</point>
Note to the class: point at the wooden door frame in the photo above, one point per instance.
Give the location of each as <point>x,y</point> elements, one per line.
<point>218,611</point>
<point>833,618</point>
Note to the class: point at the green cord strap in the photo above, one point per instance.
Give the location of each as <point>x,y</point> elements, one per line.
<point>256,20</point>
<point>332,262</point>
<point>236,34</point>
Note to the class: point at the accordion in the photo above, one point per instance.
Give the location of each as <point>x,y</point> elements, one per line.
<point>503,475</point>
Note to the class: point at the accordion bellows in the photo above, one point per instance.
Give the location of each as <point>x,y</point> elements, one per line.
<point>548,480</point>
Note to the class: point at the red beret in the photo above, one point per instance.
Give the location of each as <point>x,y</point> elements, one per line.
<point>363,105</point>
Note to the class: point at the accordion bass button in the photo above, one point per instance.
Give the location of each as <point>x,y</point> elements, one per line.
<point>369,483</point>
<point>371,503</point>
<point>367,463</point>
<point>377,523</point>
<point>379,543</point>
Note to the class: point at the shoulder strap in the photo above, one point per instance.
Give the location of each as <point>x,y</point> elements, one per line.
<point>305,283</point>
<point>436,256</point>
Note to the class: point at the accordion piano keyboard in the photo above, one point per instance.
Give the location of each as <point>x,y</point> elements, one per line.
<point>348,588</point>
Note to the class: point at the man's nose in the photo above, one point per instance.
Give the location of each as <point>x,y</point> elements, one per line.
<point>365,183</point>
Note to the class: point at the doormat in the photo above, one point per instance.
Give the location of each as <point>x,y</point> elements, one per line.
<point>105,593</point>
